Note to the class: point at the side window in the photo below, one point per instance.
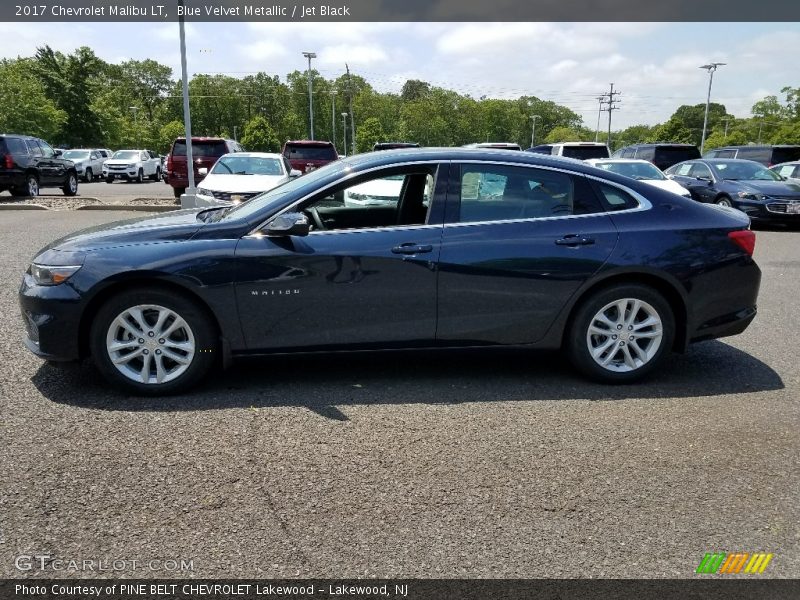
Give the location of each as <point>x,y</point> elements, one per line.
<point>786,170</point>
<point>684,169</point>
<point>33,148</point>
<point>499,193</point>
<point>701,171</point>
<point>287,166</point>
<point>723,154</point>
<point>47,151</point>
<point>387,200</point>
<point>616,198</point>
<point>16,146</point>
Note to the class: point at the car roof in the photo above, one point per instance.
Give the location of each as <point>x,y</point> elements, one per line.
<point>579,144</point>
<point>783,164</point>
<point>274,155</point>
<point>618,160</point>
<point>309,142</point>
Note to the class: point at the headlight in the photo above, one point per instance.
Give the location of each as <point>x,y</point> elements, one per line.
<point>751,196</point>
<point>52,275</point>
<point>204,192</point>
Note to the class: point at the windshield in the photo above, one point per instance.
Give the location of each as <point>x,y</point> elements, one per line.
<point>126,155</point>
<point>205,148</point>
<point>248,165</point>
<point>301,152</point>
<point>76,154</point>
<point>746,170</point>
<point>633,170</point>
<point>275,196</point>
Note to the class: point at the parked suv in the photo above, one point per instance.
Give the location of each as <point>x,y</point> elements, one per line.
<point>28,164</point>
<point>766,155</point>
<point>580,150</point>
<point>88,162</point>
<point>132,165</point>
<point>661,155</point>
<point>307,155</point>
<point>205,152</point>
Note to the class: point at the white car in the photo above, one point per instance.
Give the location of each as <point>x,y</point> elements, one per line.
<point>641,170</point>
<point>378,192</point>
<point>88,162</point>
<point>132,165</point>
<point>238,176</point>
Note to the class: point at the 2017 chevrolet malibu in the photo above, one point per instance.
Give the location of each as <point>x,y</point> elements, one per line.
<point>481,248</point>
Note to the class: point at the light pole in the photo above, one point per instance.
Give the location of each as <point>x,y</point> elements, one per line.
<point>333,116</point>
<point>188,198</point>
<point>344,131</point>
<point>533,129</point>
<point>710,67</point>
<point>135,110</point>
<point>309,56</point>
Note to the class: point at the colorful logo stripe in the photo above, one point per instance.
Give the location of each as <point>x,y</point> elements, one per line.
<point>721,562</point>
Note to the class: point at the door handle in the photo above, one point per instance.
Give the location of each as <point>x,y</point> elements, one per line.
<point>574,240</point>
<point>412,248</point>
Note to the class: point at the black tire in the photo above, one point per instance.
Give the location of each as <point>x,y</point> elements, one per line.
<point>178,191</point>
<point>156,176</point>
<point>88,176</point>
<point>578,340</point>
<point>71,185</point>
<point>140,176</point>
<point>196,318</point>
<point>109,180</point>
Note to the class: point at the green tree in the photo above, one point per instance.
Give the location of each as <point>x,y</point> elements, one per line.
<point>563,134</point>
<point>24,106</point>
<point>259,136</point>
<point>168,134</point>
<point>370,132</point>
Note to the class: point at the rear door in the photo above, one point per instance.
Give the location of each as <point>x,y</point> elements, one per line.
<point>518,242</point>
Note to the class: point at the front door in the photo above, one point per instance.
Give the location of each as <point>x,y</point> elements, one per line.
<point>366,275</point>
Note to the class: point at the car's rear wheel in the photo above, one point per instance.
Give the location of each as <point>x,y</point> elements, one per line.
<point>152,342</point>
<point>71,185</point>
<point>178,191</point>
<point>31,185</point>
<point>157,175</point>
<point>621,333</point>
<point>89,176</point>
<point>140,176</point>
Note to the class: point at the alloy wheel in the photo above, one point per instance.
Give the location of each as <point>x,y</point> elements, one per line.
<point>624,335</point>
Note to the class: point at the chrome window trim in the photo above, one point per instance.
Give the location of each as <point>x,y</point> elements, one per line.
<point>644,203</point>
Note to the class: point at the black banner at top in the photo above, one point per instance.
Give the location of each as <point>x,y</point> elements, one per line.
<point>399,10</point>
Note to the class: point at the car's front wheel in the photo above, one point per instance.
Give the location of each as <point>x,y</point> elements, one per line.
<point>89,176</point>
<point>621,333</point>
<point>152,342</point>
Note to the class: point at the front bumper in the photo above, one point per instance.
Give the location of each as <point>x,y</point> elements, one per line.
<point>774,211</point>
<point>51,315</point>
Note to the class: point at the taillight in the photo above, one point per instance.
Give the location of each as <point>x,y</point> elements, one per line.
<point>169,162</point>
<point>8,161</point>
<point>745,239</point>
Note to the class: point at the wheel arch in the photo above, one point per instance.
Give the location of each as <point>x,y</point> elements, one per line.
<point>661,282</point>
<point>139,281</point>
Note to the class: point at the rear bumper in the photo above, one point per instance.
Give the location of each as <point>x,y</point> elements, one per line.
<point>726,325</point>
<point>11,179</point>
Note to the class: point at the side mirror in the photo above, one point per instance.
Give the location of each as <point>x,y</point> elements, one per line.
<point>57,153</point>
<point>294,173</point>
<point>202,171</point>
<point>289,224</point>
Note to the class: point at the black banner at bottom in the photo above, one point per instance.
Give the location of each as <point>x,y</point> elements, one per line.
<point>412,589</point>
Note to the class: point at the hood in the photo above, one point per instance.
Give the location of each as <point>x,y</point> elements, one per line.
<point>121,161</point>
<point>166,227</point>
<point>669,185</point>
<point>776,189</point>
<point>241,183</point>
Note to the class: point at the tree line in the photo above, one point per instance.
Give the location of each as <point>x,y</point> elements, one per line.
<point>79,100</point>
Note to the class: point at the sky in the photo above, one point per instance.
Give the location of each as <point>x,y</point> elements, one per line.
<point>653,65</point>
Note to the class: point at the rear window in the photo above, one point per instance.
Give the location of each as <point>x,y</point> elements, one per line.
<point>781,155</point>
<point>584,152</point>
<point>302,152</point>
<point>676,154</point>
<point>13,146</point>
<point>208,148</point>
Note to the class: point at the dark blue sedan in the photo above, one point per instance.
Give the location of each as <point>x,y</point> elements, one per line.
<point>747,185</point>
<point>461,248</point>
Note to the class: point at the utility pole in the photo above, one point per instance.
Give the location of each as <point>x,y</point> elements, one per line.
<point>599,110</point>
<point>135,110</point>
<point>726,126</point>
<point>533,129</point>
<point>188,199</point>
<point>333,116</point>
<point>710,67</point>
<point>611,107</point>
<point>760,124</point>
<point>309,56</point>
<point>352,116</point>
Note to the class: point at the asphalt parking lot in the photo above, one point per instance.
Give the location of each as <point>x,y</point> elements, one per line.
<point>468,464</point>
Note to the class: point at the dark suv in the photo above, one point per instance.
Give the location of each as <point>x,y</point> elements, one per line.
<point>205,152</point>
<point>28,164</point>
<point>307,155</point>
<point>661,155</point>
<point>766,155</point>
